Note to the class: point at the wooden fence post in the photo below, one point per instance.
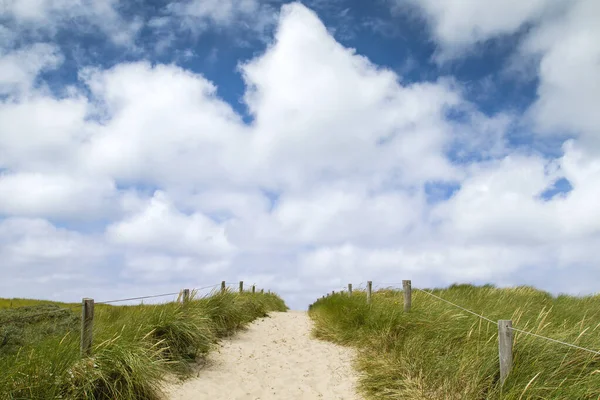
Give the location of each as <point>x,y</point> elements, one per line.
<point>369,289</point>
<point>186,295</point>
<point>505,344</point>
<point>223,287</point>
<point>87,325</point>
<point>253,289</point>
<point>350,289</point>
<point>241,286</point>
<point>407,289</point>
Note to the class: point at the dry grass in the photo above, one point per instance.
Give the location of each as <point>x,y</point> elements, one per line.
<point>135,347</point>
<point>439,352</point>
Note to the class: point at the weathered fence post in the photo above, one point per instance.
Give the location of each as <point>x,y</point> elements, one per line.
<point>350,289</point>
<point>369,289</point>
<point>241,286</point>
<point>186,295</point>
<point>87,325</point>
<point>407,289</point>
<point>223,287</point>
<point>253,289</point>
<point>505,344</point>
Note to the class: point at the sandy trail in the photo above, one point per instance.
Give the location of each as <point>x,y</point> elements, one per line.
<point>274,359</point>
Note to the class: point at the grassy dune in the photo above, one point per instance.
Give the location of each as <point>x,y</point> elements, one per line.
<point>440,352</point>
<point>135,347</point>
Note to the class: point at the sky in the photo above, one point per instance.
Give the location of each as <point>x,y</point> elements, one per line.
<point>150,146</point>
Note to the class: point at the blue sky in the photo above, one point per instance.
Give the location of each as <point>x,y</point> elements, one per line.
<point>298,146</point>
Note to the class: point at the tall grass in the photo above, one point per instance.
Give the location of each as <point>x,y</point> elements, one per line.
<point>135,347</point>
<point>440,352</point>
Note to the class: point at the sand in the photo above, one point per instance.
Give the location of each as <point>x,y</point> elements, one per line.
<point>276,358</point>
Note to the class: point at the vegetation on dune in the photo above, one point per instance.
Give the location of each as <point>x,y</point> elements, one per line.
<point>135,347</point>
<point>437,351</point>
<point>16,303</point>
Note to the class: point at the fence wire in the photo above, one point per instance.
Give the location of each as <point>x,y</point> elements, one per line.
<point>495,322</point>
<point>138,298</point>
<point>74,308</point>
<point>456,305</point>
<point>155,295</point>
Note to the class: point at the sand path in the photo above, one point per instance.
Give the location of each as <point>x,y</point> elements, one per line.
<point>276,358</point>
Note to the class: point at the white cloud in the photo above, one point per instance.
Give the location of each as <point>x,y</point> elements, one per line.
<point>330,216</point>
<point>39,259</point>
<point>322,111</point>
<point>35,240</point>
<point>569,73</point>
<point>42,133</point>
<point>459,24</point>
<point>217,11</point>
<point>350,263</point>
<point>240,17</point>
<point>222,204</point>
<point>561,38</point>
<point>47,17</point>
<point>580,218</point>
<point>181,136</point>
<point>56,196</point>
<point>326,183</point>
<point>500,203</point>
<point>19,69</point>
<point>157,268</point>
<point>384,130</point>
<point>160,227</point>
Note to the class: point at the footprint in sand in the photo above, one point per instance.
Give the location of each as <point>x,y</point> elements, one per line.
<point>276,358</point>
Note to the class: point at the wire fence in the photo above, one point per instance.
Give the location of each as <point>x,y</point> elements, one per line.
<point>78,306</point>
<point>87,310</point>
<point>512,328</point>
<point>457,306</point>
<point>505,328</point>
<point>155,295</point>
<point>138,298</point>
<point>483,317</point>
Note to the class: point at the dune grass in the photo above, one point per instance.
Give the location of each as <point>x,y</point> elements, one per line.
<point>440,352</point>
<point>135,347</point>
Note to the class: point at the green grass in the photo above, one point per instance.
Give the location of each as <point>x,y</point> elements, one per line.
<point>440,352</point>
<point>135,347</point>
<point>16,303</point>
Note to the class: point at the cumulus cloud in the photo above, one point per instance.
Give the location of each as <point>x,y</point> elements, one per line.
<point>323,111</point>
<point>55,196</point>
<point>327,183</point>
<point>243,20</point>
<point>558,38</point>
<point>160,227</point>
<point>569,73</point>
<point>218,12</point>
<point>162,125</point>
<point>47,17</point>
<point>459,24</point>
<point>40,259</point>
<point>41,133</point>
<point>19,68</point>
